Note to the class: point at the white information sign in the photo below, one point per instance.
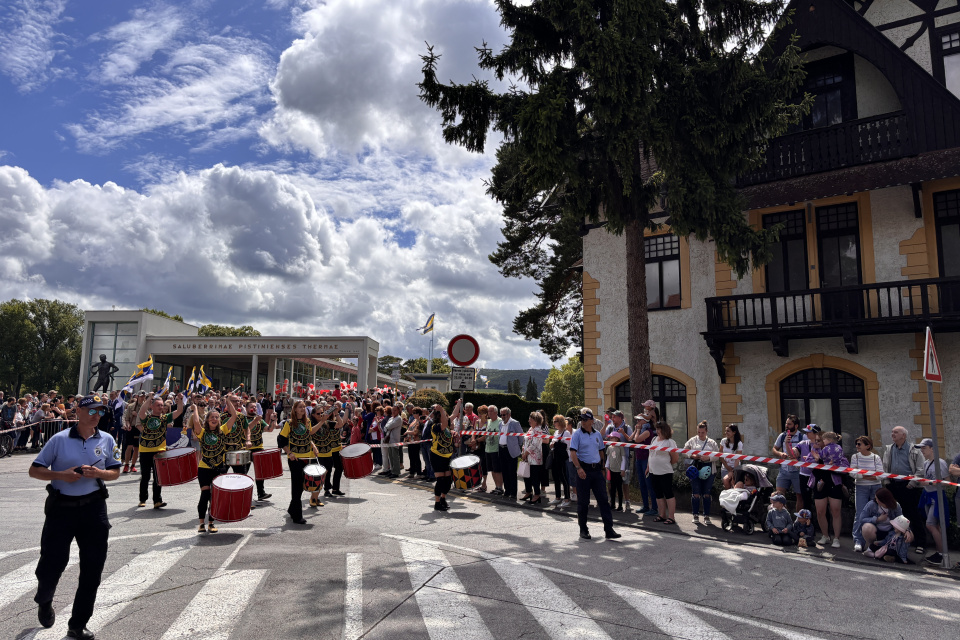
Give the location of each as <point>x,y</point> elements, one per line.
<point>462,378</point>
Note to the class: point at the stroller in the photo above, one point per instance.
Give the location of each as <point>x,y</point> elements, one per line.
<point>744,509</point>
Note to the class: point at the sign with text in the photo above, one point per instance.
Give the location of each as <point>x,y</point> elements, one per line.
<point>462,378</point>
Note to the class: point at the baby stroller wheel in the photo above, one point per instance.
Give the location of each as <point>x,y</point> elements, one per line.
<point>725,521</point>
<point>748,527</point>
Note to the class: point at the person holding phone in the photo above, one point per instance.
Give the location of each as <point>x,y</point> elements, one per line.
<point>75,463</point>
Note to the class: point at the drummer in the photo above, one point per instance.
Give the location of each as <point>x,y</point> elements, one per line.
<point>211,435</point>
<point>152,425</point>
<point>329,444</point>
<point>441,450</point>
<point>295,441</point>
<point>238,437</point>
<point>255,427</point>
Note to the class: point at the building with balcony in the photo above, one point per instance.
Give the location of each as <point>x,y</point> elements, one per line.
<point>867,190</point>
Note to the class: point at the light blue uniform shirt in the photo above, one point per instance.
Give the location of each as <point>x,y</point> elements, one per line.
<point>67,450</point>
<point>587,445</point>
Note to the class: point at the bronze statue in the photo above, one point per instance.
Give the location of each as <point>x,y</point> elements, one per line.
<point>104,371</point>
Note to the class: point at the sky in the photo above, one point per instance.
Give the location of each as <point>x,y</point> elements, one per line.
<point>260,162</point>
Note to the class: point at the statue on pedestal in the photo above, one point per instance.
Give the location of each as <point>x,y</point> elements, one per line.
<point>104,371</point>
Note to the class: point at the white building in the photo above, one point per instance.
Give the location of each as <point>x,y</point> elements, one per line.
<point>869,193</point>
<point>260,364</point>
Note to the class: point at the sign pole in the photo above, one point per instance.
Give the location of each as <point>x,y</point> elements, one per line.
<point>931,374</point>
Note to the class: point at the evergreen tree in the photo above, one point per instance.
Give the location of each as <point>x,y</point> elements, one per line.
<point>615,103</point>
<point>533,394</point>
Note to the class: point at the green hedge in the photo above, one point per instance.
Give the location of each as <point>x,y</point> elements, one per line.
<point>426,398</point>
<point>520,409</point>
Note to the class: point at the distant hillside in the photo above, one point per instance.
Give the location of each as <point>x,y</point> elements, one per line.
<point>500,377</point>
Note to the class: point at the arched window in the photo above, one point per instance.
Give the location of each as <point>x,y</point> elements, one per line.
<point>830,398</point>
<point>670,396</point>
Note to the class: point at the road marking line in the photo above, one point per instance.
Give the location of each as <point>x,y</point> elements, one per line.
<point>673,620</point>
<point>556,612</point>
<point>218,608</point>
<point>444,605</point>
<point>353,598</point>
<point>126,584</point>
<point>18,582</point>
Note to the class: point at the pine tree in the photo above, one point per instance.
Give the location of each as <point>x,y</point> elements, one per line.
<point>613,104</point>
<point>533,393</point>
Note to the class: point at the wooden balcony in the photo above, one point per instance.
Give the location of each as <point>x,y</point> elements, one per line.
<point>883,137</point>
<point>906,306</point>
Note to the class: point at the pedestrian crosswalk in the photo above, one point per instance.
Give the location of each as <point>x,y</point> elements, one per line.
<point>201,594</point>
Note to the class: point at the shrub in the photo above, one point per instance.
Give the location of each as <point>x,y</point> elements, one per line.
<point>520,409</point>
<point>426,398</point>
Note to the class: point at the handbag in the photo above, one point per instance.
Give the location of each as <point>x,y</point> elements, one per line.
<point>523,469</point>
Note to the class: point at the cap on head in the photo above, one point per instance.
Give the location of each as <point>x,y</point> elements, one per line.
<point>779,498</point>
<point>92,401</point>
<point>812,428</point>
<point>803,513</point>
<point>586,415</point>
<point>926,442</point>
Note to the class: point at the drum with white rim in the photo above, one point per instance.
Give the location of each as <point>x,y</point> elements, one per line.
<point>466,472</point>
<point>176,466</point>
<point>230,497</point>
<point>313,475</point>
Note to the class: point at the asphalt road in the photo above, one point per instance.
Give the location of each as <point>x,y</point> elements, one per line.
<point>380,563</point>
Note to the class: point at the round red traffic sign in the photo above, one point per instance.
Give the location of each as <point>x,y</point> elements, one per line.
<point>463,350</point>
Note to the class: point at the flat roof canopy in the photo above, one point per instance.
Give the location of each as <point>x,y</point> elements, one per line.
<point>283,347</point>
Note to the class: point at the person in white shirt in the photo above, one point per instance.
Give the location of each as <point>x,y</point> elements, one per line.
<point>700,487</point>
<point>866,486</point>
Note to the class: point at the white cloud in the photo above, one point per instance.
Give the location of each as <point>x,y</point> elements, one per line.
<point>27,47</point>
<point>136,41</point>
<point>203,88</point>
<point>350,81</point>
<point>251,246</point>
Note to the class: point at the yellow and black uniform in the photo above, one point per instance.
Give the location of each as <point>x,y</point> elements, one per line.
<point>212,448</point>
<point>329,444</point>
<point>441,449</point>
<point>234,439</point>
<point>297,440</point>
<point>153,440</point>
<point>256,424</point>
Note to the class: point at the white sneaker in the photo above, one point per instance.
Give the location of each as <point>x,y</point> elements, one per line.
<point>857,548</point>
<point>554,502</point>
<point>696,518</point>
<point>377,467</point>
<point>823,541</point>
<point>626,506</point>
<point>565,503</point>
<point>836,543</point>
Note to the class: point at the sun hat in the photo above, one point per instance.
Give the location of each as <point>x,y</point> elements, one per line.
<point>901,524</point>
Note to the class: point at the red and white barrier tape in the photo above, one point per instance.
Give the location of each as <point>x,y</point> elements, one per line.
<point>387,445</point>
<point>26,426</point>
<point>736,456</point>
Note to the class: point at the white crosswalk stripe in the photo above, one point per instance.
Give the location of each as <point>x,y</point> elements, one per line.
<point>444,605</point>
<point>20,581</point>
<point>211,616</point>
<point>126,584</point>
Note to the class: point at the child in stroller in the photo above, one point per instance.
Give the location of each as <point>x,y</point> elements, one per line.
<point>744,505</point>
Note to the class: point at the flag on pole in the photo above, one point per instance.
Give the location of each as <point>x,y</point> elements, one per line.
<point>204,384</point>
<point>192,382</point>
<point>143,372</point>
<point>428,327</point>
<point>167,382</point>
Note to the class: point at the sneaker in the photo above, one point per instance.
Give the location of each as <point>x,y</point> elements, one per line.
<point>439,506</point>
<point>497,492</point>
<point>265,496</point>
<point>377,467</point>
<point>133,469</point>
<point>868,554</point>
<point>935,559</point>
<point>626,506</point>
<point>706,520</point>
<point>554,503</point>
<point>126,468</point>
<point>327,494</point>
<point>211,528</point>
<point>643,510</point>
<point>836,543</point>
<point>824,540</point>
<point>696,519</point>
<point>141,504</point>
<point>565,503</point>
<point>159,505</point>
<point>857,548</point>
<point>618,508</point>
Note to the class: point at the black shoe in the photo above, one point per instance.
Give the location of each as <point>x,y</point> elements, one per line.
<point>265,496</point>
<point>327,494</point>
<point>612,535</point>
<point>384,473</point>
<point>337,492</point>
<point>585,533</point>
<point>82,633</point>
<point>439,506</point>
<point>46,615</point>
<point>299,520</point>
<point>936,559</point>
<point>618,509</point>
<point>443,501</point>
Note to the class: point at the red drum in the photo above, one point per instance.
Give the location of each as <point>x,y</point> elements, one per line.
<point>357,461</point>
<point>466,472</point>
<point>313,475</point>
<point>267,464</point>
<point>230,497</point>
<point>176,466</point>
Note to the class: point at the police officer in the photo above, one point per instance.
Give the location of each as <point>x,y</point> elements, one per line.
<point>75,463</point>
<point>586,454</point>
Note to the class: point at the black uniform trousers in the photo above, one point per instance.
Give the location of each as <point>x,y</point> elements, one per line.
<point>337,471</point>
<point>597,483</point>
<point>88,524</point>
<point>296,486</point>
<point>146,468</point>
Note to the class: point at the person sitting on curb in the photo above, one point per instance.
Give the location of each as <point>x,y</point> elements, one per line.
<point>779,522</point>
<point>877,517</point>
<point>802,532</point>
<point>895,546</point>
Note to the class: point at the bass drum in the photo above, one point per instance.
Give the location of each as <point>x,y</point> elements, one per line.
<point>466,472</point>
<point>230,497</point>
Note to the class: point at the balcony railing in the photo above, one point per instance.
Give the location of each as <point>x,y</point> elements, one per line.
<point>905,306</point>
<point>883,137</point>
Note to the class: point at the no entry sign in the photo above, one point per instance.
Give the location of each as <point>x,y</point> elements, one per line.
<point>463,350</point>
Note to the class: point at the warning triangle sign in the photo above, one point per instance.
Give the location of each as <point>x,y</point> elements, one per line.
<point>931,365</point>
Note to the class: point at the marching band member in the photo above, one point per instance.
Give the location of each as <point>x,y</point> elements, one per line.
<point>441,450</point>
<point>212,436</point>
<point>152,424</point>
<point>295,441</point>
<point>255,427</point>
<point>329,443</point>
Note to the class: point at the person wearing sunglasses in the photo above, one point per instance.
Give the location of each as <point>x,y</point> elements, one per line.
<point>75,463</point>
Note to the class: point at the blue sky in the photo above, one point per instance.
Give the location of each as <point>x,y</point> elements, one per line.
<point>241,162</point>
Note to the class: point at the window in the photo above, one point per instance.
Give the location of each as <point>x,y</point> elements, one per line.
<point>160,370</point>
<point>946,209</point>
<point>662,254</point>
<point>118,341</point>
<point>670,396</point>
<point>832,84</point>
<point>950,50</point>
<point>787,271</point>
<point>830,398</point>
<point>838,234</point>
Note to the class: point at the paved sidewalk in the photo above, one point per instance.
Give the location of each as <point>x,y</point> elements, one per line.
<point>686,527</point>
